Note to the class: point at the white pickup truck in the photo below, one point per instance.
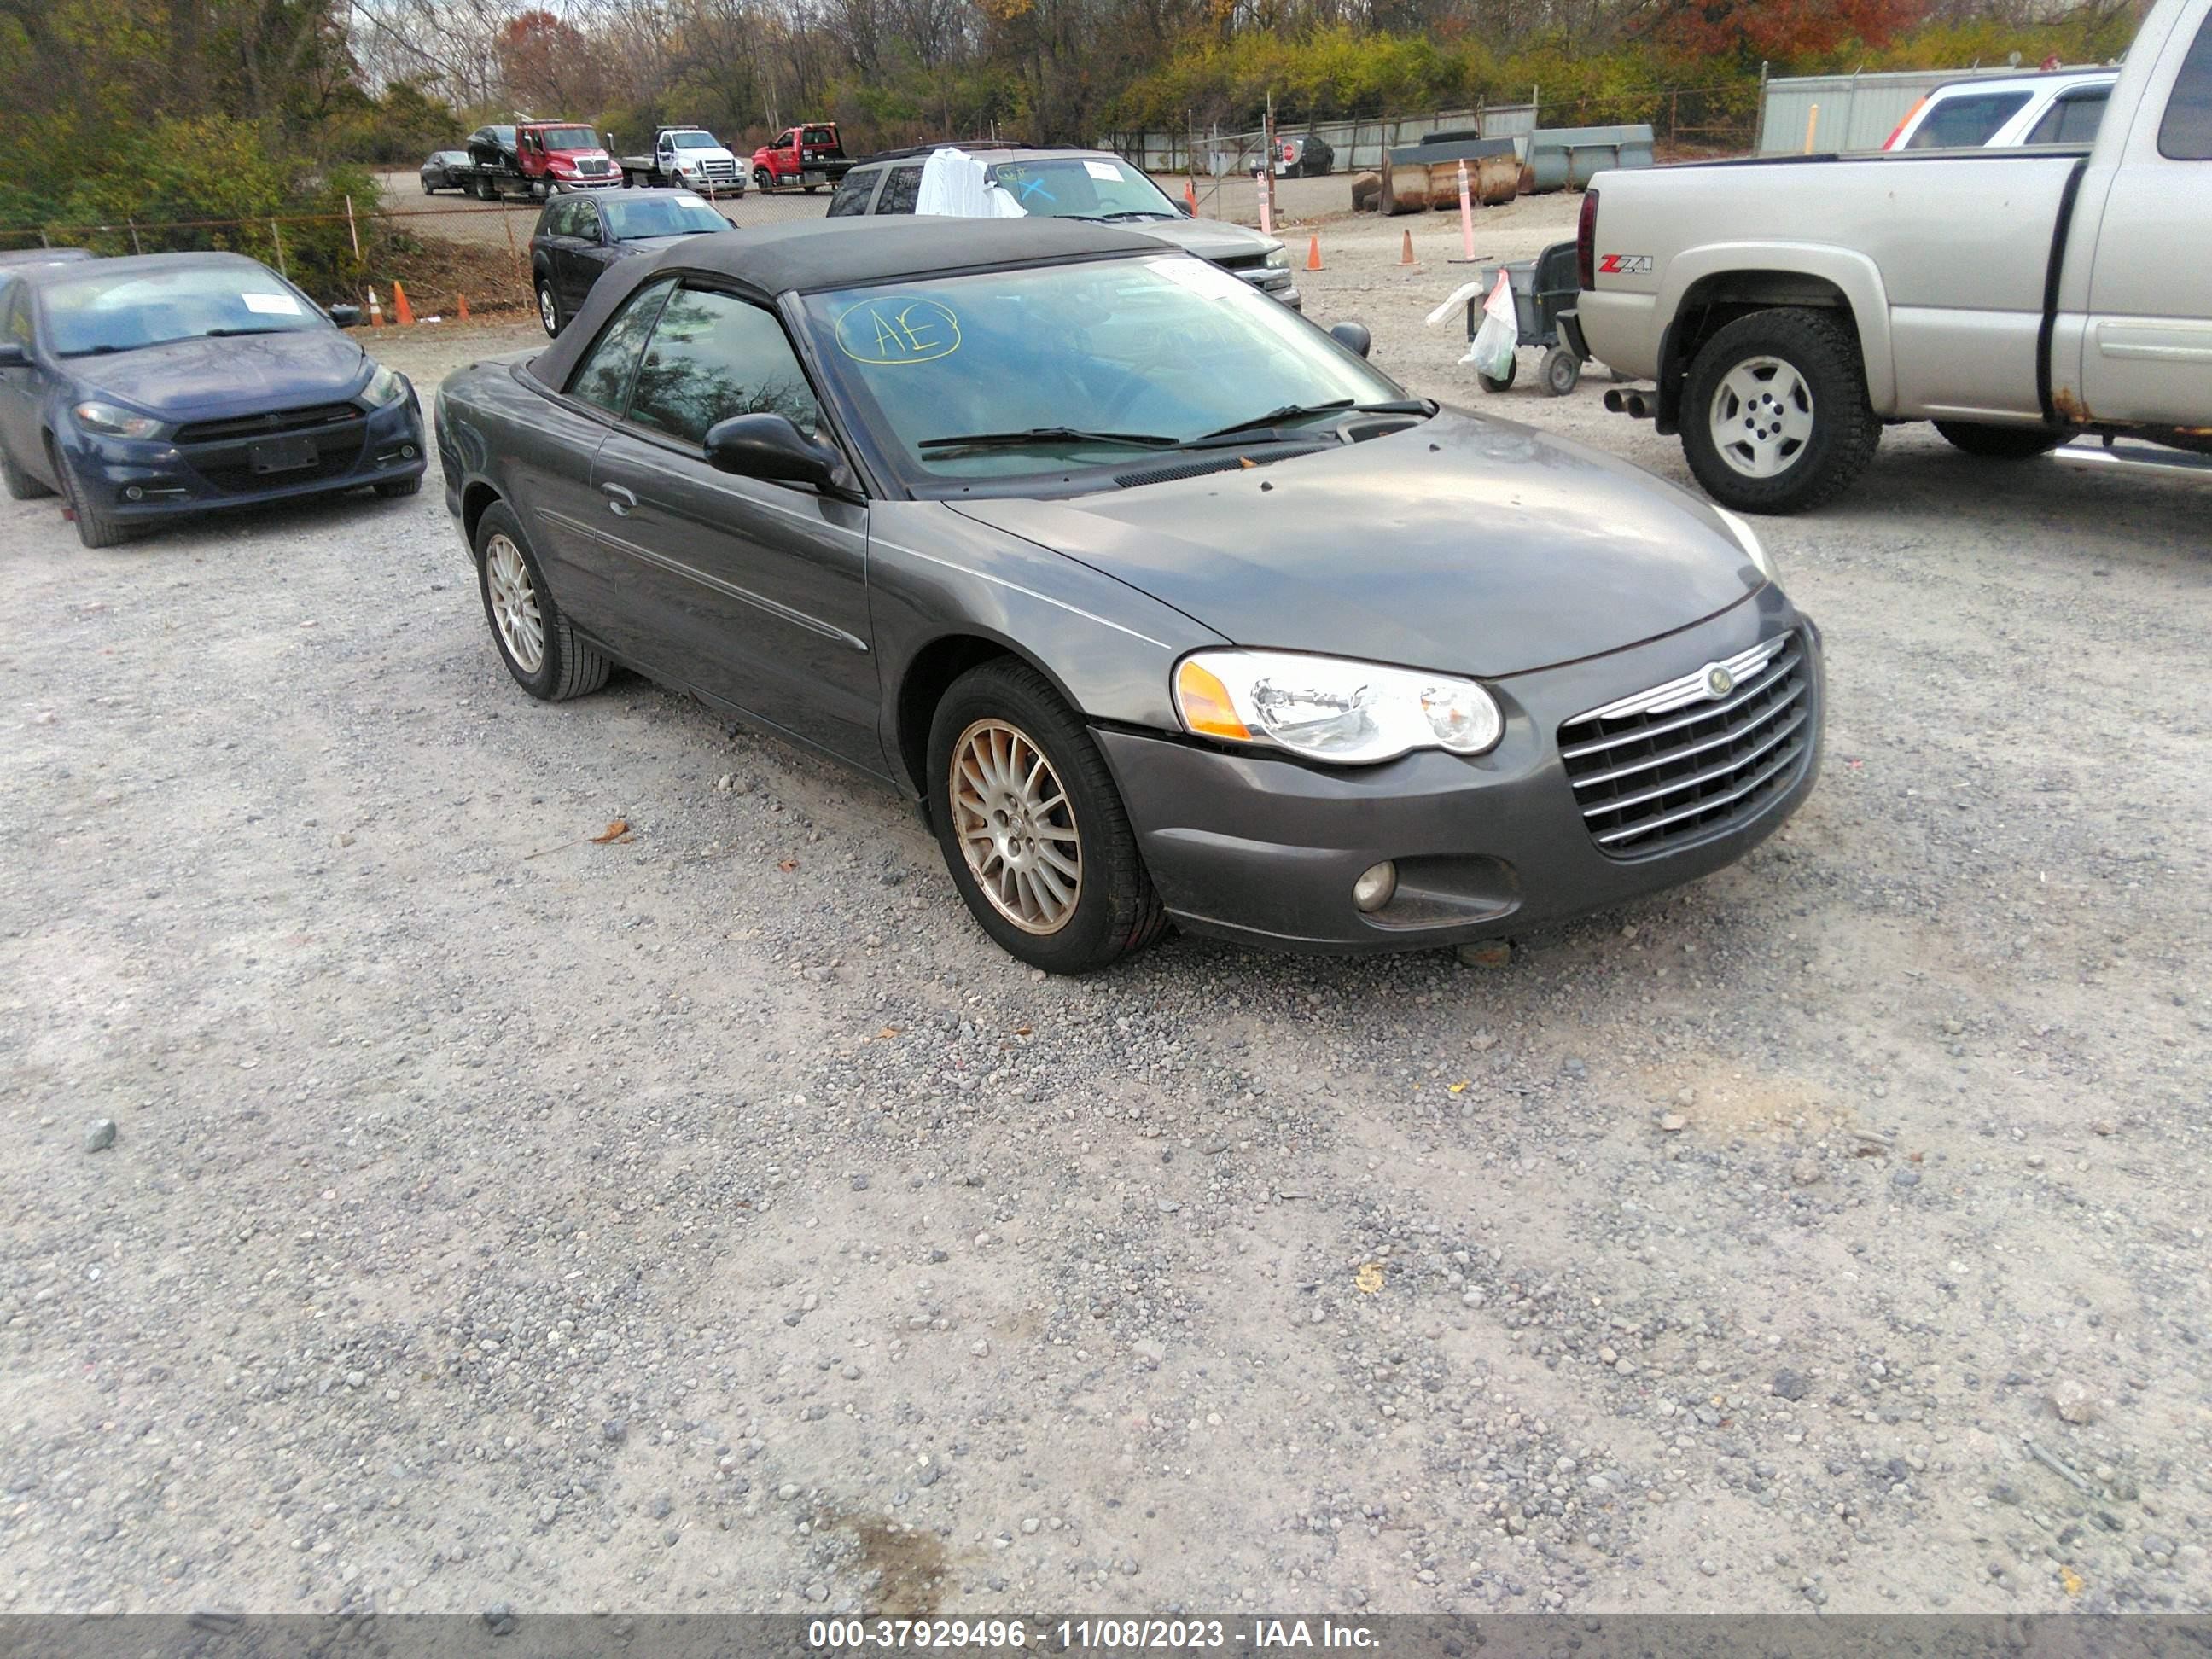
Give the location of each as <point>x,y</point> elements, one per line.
<point>1788,309</point>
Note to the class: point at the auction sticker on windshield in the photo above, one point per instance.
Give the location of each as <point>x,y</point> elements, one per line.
<point>898,328</point>
<point>1199,276</point>
<point>271,304</point>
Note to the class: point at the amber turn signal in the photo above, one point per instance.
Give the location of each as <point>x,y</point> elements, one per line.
<point>1207,706</point>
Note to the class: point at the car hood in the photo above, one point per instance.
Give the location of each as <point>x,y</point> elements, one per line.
<point>1462,544</point>
<point>1209,238</point>
<point>196,379</point>
<point>654,244</point>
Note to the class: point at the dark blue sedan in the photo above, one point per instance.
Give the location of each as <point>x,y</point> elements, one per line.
<point>141,389</point>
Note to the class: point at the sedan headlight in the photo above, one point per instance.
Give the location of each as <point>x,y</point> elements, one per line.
<point>1747,539</point>
<point>109,422</point>
<point>1353,714</point>
<point>386,386</point>
<point>1279,257</point>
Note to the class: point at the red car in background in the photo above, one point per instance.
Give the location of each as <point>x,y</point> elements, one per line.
<point>535,158</point>
<point>806,156</point>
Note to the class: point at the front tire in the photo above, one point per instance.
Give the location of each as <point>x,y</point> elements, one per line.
<point>21,486</point>
<point>763,179</point>
<point>1031,826</point>
<point>1775,413</point>
<point>94,528</point>
<point>532,633</point>
<point>2000,443</point>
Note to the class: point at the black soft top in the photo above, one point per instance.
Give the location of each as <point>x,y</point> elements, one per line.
<point>850,252</point>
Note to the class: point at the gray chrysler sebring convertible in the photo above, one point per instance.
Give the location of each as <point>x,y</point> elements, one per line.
<point>1166,606</point>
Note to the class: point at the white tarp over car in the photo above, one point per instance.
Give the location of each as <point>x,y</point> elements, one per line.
<point>954,187</point>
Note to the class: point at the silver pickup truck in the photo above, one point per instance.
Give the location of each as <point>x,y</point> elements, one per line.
<point>1787,308</point>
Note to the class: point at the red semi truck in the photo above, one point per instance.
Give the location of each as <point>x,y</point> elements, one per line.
<point>804,157</point>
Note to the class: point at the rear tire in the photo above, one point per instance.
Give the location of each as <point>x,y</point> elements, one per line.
<point>547,660</point>
<point>94,528</point>
<point>21,486</point>
<point>1776,416</point>
<point>2000,443</point>
<point>548,308</point>
<point>1038,914</point>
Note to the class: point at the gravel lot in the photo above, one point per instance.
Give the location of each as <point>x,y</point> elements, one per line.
<point>710,1219</point>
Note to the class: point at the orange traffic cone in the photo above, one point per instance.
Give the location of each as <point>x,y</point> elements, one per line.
<point>1190,195</point>
<point>375,311</point>
<point>402,312</point>
<point>461,308</point>
<point>1406,256</point>
<point>1313,254</point>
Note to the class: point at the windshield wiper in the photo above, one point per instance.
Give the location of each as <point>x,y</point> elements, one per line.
<point>1047,434</point>
<point>1305,412</point>
<point>233,333</point>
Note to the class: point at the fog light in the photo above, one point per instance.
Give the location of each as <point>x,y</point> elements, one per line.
<point>1375,887</point>
<point>134,493</point>
<point>408,450</point>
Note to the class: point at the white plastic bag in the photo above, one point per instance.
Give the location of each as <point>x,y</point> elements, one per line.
<point>1495,342</point>
<point>954,184</point>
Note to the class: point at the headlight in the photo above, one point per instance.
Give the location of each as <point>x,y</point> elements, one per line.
<point>1747,539</point>
<point>109,422</point>
<point>1279,257</point>
<point>1354,713</point>
<point>386,386</point>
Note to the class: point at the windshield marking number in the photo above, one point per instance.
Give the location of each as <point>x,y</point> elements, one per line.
<point>899,330</point>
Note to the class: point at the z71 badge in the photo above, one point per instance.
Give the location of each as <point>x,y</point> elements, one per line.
<point>1626,264</point>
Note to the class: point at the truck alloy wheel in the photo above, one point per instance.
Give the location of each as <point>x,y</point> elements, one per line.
<point>1776,416</point>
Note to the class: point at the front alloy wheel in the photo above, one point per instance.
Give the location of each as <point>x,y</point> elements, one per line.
<point>1016,827</point>
<point>1031,826</point>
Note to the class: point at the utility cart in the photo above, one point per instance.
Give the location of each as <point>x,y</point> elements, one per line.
<point>1545,290</point>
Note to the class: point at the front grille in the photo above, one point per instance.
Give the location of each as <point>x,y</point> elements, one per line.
<point>1242,261</point>
<point>718,170</point>
<point>278,424</point>
<point>594,169</point>
<point>1699,754</point>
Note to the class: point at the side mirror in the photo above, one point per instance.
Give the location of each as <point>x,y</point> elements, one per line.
<point>768,446</point>
<point>1352,336</point>
<point>13,355</point>
<point>346,316</point>
<point>1186,209</point>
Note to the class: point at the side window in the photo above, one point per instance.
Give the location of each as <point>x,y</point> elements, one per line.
<point>902,189</point>
<point>852,193</point>
<point>15,311</point>
<point>2072,119</point>
<point>560,217</point>
<point>1966,120</point>
<point>2186,133</point>
<point>602,380</point>
<point>713,355</point>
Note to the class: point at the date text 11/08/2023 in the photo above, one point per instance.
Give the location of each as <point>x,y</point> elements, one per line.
<point>1063,1635</point>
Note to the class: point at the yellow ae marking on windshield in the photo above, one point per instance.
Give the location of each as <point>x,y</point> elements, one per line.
<point>898,329</point>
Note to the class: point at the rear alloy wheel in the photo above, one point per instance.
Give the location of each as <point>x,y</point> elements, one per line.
<point>548,308</point>
<point>535,641</point>
<point>1775,413</point>
<point>1031,826</point>
<point>2000,443</point>
<point>21,486</point>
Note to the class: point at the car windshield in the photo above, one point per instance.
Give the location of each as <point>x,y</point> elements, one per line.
<point>1077,364</point>
<point>695,140</point>
<point>100,313</point>
<point>569,138</point>
<point>630,217</point>
<point>1082,187</point>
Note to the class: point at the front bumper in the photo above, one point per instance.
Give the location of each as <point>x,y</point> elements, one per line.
<point>1265,851</point>
<point>385,446</point>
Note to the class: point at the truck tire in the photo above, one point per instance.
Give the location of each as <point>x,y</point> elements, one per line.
<point>2000,443</point>
<point>763,179</point>
<point>1775,413</point>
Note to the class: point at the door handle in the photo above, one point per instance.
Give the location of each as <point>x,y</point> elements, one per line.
<point>619,501</point>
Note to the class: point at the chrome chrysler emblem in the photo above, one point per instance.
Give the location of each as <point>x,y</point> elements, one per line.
<point>1719,681</point>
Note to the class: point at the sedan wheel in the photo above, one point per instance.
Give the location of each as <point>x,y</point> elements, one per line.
<point>1031,826</point>
<point>543,654</point>
<point>1017,831</point>
<point>549,309</point>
